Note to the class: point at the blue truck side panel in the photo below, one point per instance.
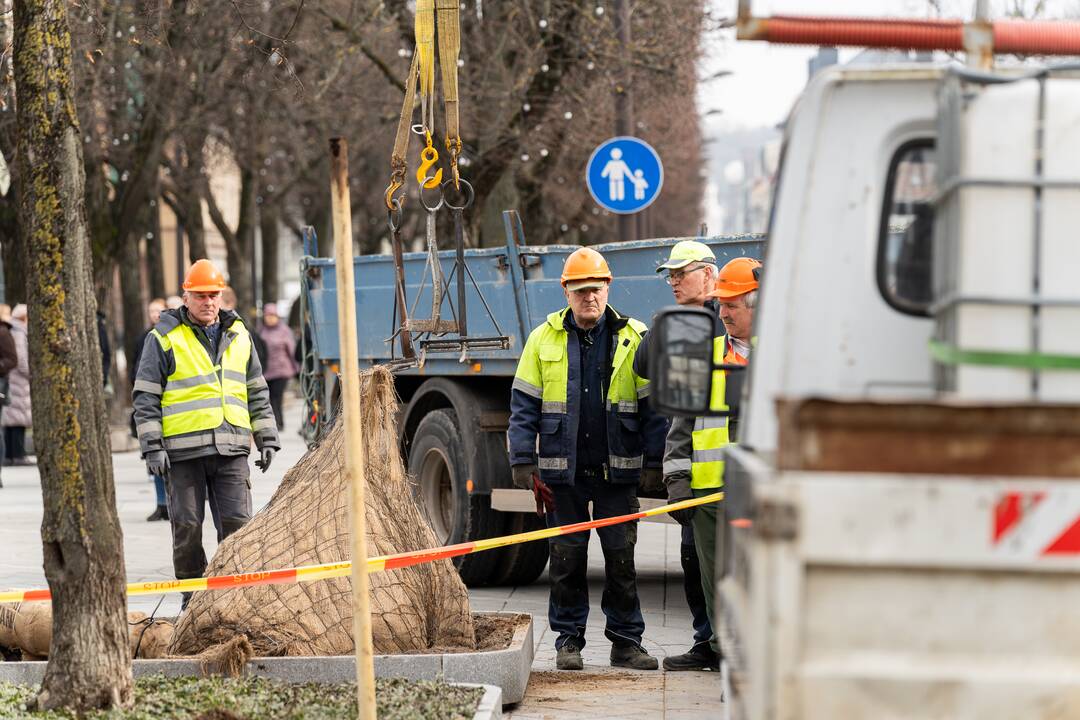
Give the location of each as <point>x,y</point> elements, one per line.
<point>638,290</point>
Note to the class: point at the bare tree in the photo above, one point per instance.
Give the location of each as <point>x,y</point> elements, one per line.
<point>89,661</point>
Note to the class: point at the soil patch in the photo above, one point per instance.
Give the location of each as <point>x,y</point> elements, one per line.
<point>556,686</point>
<point>257,698</point>
<point>492,633</point>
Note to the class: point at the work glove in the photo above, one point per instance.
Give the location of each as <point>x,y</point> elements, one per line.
<point>684,516</point>
<point>157,462</point>
<point>266,456</point>
<point>545,499</point>
<point>652,480</point>
<point>523,476</point>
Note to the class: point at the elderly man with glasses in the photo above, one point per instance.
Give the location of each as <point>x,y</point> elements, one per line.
<point>691,273</point>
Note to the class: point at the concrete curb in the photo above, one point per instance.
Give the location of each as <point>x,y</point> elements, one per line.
<point>490,706</point>
<point>508,670</point>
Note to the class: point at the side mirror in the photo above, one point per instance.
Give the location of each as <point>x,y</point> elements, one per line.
<point>681,361</point>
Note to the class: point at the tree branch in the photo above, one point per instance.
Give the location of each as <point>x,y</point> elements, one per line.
<point>350,32</point>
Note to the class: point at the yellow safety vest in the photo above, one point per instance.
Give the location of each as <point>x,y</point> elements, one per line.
<point>710,434</point>
<point>543,373</point>
<point>200,395</point>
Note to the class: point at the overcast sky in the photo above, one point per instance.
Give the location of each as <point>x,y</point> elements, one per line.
<point>767,78</point>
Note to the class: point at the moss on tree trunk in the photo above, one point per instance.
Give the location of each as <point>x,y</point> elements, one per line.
<point>89,663</point>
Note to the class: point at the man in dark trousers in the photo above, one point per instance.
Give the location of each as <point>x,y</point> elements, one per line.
<point>153,313</point>
<point>581,431</point>
<point>691,273</point>
<point>200,399</point>
<point>8,360</point>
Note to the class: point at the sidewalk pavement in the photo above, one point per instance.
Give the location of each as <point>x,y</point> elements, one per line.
<point>598,691</point>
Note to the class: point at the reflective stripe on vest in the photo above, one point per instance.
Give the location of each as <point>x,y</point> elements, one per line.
<point>544,369</point>
<point>710,434</point>
<point>200,395</point>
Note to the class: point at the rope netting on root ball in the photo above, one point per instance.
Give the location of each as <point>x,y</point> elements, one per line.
<point>307,523</point>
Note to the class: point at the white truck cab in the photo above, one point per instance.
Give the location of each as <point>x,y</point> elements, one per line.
<point>909,444</point>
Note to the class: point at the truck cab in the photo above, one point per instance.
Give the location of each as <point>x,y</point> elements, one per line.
<point>907,473</point>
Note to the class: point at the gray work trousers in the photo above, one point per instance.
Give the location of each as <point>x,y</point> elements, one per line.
<point>221,480</point>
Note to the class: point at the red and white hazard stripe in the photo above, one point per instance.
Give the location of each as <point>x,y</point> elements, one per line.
<point>1033,524</point>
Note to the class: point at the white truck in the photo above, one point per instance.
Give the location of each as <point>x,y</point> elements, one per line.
<point>906,483</point>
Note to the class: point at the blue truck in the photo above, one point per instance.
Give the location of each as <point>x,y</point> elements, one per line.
<point>455,407</point>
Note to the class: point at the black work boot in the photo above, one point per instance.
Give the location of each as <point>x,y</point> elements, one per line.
<point>568,657</point>
<point>699,657</point>
<point>628,655</point>
<point>160,513</point>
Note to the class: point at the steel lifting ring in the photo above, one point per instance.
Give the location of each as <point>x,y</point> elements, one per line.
<point>423,200</point>
<point>393,214</point>
<point>466,191</point>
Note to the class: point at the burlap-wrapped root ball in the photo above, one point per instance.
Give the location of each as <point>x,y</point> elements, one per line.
<point>307,523</point>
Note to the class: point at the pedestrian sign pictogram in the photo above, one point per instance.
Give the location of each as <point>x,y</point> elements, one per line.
<point>624,175</point>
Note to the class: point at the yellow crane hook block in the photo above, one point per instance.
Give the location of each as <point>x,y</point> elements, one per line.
<point>429,156</point>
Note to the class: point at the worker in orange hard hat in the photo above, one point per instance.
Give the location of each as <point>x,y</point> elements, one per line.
<point>737,291</point>
<point>200,399</point>
<point>581,431</point>
<point>693,459</point>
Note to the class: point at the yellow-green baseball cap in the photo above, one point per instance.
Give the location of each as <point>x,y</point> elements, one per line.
<point>685,252</point>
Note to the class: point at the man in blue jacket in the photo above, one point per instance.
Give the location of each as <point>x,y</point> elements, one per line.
<point>581,431</point>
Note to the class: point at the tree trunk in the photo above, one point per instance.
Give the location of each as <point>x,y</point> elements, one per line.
<point>241,245</point>
<point>155,266</point>
<point>269,221</point>
<point>131,294</point>
<point>195,232</point>
<point>89,659</point>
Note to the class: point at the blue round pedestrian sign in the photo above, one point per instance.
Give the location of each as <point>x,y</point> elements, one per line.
<point>624,175</point>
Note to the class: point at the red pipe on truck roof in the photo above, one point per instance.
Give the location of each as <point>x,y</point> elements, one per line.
<point>1048,37</point>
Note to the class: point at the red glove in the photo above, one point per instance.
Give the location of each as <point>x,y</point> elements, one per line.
<point>545,499</point>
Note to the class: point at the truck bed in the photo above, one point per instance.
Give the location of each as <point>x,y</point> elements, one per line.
<point>519,283</point>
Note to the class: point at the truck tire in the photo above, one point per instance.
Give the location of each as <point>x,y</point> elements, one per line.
<point>438,468</point>
<point>521,564</point>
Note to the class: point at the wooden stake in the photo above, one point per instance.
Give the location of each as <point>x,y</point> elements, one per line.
<point>350,410</point>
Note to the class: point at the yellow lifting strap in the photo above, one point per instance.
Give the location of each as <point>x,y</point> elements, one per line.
<point>425,52</point>
<point>449,52</point>
<point>399,165</point>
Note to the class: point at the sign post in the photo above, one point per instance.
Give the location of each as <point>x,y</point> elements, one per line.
<point>350,410</point>
<point>624,175</point>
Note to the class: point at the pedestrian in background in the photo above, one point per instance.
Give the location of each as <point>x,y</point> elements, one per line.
<point>106,351</point>
<point>18,415</point>
<point>581,431</point>
<point>9,359</point>
<point>280,364</point>
<point>153,314</point>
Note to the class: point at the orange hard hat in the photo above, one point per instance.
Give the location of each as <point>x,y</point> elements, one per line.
<point>737,277</point>
<point>585,264</point>
<point>202,276</point>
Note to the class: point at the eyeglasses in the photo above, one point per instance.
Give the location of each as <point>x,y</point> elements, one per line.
<point>677,277</point>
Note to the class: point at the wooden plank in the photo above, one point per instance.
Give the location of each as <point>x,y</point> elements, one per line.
<point>927,437</point>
